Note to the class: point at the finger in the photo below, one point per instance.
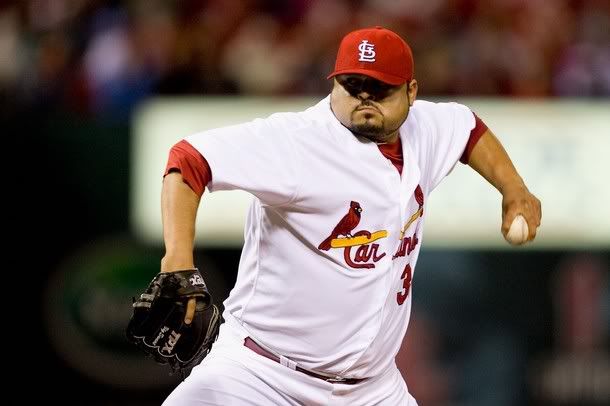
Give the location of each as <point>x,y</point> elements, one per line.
<point>533,226</point>
<point>190,310</point>
<point>509,216</point>
<point>536,219</point>
<point>532,233</point>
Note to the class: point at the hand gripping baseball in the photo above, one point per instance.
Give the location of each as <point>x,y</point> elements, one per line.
<point>521,215</point>
<point>161,327</point>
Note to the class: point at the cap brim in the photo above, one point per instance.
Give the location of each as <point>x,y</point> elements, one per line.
<point>384,77</point>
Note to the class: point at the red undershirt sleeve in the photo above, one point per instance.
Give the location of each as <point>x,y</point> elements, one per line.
<point>475,134</point>
<point>195,170</point>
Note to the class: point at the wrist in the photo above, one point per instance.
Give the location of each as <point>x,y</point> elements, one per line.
<point>512,186</point>
<point>173,264</point>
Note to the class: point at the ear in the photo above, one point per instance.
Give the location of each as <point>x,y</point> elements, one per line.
<point>412,91</point>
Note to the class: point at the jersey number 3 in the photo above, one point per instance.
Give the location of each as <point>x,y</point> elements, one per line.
<point>406,285</point>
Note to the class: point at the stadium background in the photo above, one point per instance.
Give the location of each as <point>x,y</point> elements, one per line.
<point>490,326</point>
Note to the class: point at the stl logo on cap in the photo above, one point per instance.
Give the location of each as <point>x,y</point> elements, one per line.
<point>376,52</point>
<point>367,51</point>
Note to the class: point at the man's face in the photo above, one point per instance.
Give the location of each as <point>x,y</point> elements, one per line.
<point>371,108</point>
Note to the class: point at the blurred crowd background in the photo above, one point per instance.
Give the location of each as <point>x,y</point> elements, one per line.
<point>527,327</point>
<point>105,56</point>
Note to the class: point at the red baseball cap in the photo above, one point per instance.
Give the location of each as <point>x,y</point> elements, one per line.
<point>376,52</point>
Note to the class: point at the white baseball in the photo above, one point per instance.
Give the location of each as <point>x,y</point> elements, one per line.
<point>518,231</point>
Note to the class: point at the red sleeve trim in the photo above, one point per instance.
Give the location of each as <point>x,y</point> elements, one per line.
<point>195,170</point>
<point>479,129</point>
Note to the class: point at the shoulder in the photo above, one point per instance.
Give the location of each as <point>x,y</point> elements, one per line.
<point>439,118</point>
<point>437,111</point>
<point>308,126</point>
<point>312,116</point>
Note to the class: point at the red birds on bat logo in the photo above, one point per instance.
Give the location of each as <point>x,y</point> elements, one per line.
<point>345,226</point>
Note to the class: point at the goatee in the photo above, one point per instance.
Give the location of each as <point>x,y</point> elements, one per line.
<point>370,132</point>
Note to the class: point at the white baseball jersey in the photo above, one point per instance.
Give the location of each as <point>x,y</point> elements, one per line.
<point>333,235</point>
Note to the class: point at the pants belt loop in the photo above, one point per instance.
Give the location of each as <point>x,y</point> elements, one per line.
<point>288,363</point>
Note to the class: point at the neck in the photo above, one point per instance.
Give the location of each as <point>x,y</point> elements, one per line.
<point>387,139</point>
<point>390,140</point>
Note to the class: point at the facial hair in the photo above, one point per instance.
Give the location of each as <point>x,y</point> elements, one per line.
<point>375,133</point>
<point>367,130</point>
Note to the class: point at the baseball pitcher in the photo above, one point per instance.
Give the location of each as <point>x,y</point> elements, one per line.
<point>323,292</point>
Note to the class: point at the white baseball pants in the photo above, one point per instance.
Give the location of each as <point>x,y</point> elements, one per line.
<point>232,374</point>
